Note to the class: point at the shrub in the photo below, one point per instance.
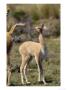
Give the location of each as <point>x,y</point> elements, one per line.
<point>19,15</point>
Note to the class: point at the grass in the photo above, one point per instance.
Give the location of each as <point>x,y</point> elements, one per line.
<point>51,66</point>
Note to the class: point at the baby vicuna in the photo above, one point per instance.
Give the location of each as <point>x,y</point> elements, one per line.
<point>30,48</point>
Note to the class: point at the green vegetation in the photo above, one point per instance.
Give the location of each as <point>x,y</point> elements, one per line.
<point>37,10</point>
<point>49,14</point>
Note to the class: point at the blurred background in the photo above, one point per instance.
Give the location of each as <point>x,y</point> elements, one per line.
<point>34,14</point>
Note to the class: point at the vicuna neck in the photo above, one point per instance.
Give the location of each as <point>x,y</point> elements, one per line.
<point>12,29</point>
<point>41,40</point>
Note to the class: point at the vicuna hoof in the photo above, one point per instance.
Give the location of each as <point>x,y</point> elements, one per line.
<point>45,83</point>
<point>28,83</point>
<point>22,83</point>
<point>9,84</point>
<point>41,82</point>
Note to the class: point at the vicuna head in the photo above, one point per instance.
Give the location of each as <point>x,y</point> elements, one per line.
<point>41,29</point>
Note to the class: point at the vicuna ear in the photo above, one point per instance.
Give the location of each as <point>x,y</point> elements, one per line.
<point>37,29</point>
<point>40,28</point>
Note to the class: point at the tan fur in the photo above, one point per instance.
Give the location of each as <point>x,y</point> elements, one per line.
<point>35,49</point>
<point>9,46</point>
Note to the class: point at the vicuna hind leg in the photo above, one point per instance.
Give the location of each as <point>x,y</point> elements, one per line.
<point>25,72</point>
<point>23,68</point>
<point>39,68</point>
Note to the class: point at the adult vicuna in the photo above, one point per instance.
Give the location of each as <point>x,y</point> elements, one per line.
<point>30,48</point>
<point>9,46</point>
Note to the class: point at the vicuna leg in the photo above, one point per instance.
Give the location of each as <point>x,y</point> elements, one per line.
<point>40,70</point>
<point>8,74</point>
<point>8,70</point>
<point>23,68</point>
<point>25,73</point>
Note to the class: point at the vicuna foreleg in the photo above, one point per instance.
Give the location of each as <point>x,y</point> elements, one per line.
<point>40,70</point>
